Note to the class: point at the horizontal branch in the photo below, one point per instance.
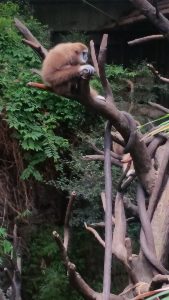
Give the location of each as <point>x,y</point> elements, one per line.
<point>145,39</point>
<point>99,157</point>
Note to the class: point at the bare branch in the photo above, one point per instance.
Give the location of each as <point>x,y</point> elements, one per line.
<point>38,85</point>
<point>30,39</point>
<point>108,213</point>
<point>161,173</point>
<point>75,278</point>
<point>113,154</point>
<point>146,236</point>
<point>146,39</point>
<point>157,74</point>
<point>160,107</point>
<point>96,235</point>
<point>130,206</point>
<point>119,234</point>
<point>67,217</point>
<point>94,59</point>
<point>101,65</point>
<point>98,157</point>
<point>149,11</point>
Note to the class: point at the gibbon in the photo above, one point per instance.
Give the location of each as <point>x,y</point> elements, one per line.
<point>64,65</point>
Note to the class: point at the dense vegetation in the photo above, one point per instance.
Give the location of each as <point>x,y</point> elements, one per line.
<point>44,137</point>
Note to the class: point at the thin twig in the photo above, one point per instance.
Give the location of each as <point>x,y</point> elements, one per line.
<point>95,233</point>
<point>157,74</point>
<point>67,218</point>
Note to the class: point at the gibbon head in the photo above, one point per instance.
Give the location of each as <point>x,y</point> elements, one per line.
<point>79,53</point>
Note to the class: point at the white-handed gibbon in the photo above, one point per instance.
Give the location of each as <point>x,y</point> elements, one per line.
<point>64,65</point>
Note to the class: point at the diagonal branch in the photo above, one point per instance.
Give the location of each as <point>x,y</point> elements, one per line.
<point>148,10</point>
<point>157,74</point>
<point>146,236</point>
<point>30,39</point>
<point>75,278</point>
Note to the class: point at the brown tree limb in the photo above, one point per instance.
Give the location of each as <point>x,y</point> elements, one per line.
<point>157,74</point>
<point>113,154</point>
<point>108,212</point>
<point>160,224</point>
<point>135,16</point>
<point>67,218</point>
<point>158,281</point>
<point>30,39</point>
<point>132,208</point>
<point>75,278</point>
<point>98,157</point>
<point>101,66</point>
<point>160,107</point>
<point>150,293</point>
<point>146,39</point>
<point>156,142</point>
<point>39,85</point>
<point>146,235</point>
<point>119,234</point>
<point>161,173</point>
<point>96,235</point>
<point>148,10</point>
<point>138,18</point>
<point>103,198</point>
<point>94,59</point>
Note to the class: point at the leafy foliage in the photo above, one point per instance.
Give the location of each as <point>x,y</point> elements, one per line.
<point>5,245</point>
<point>40,121</point>
<point>44,276</point>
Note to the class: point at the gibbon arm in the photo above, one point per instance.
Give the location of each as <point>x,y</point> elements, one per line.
<point>67,73</point>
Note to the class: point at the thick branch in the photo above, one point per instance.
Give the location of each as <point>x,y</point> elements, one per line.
<point>146,236</point>
<point>149,11</point>
<point>30,39</point>
<point>108,213</point>
<point>161,173</point>
<point>119,234</point>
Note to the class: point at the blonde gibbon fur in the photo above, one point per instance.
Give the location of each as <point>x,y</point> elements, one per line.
<point>64,65</point>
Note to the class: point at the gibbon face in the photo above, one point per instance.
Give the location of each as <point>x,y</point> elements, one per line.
<point>78,52</point>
